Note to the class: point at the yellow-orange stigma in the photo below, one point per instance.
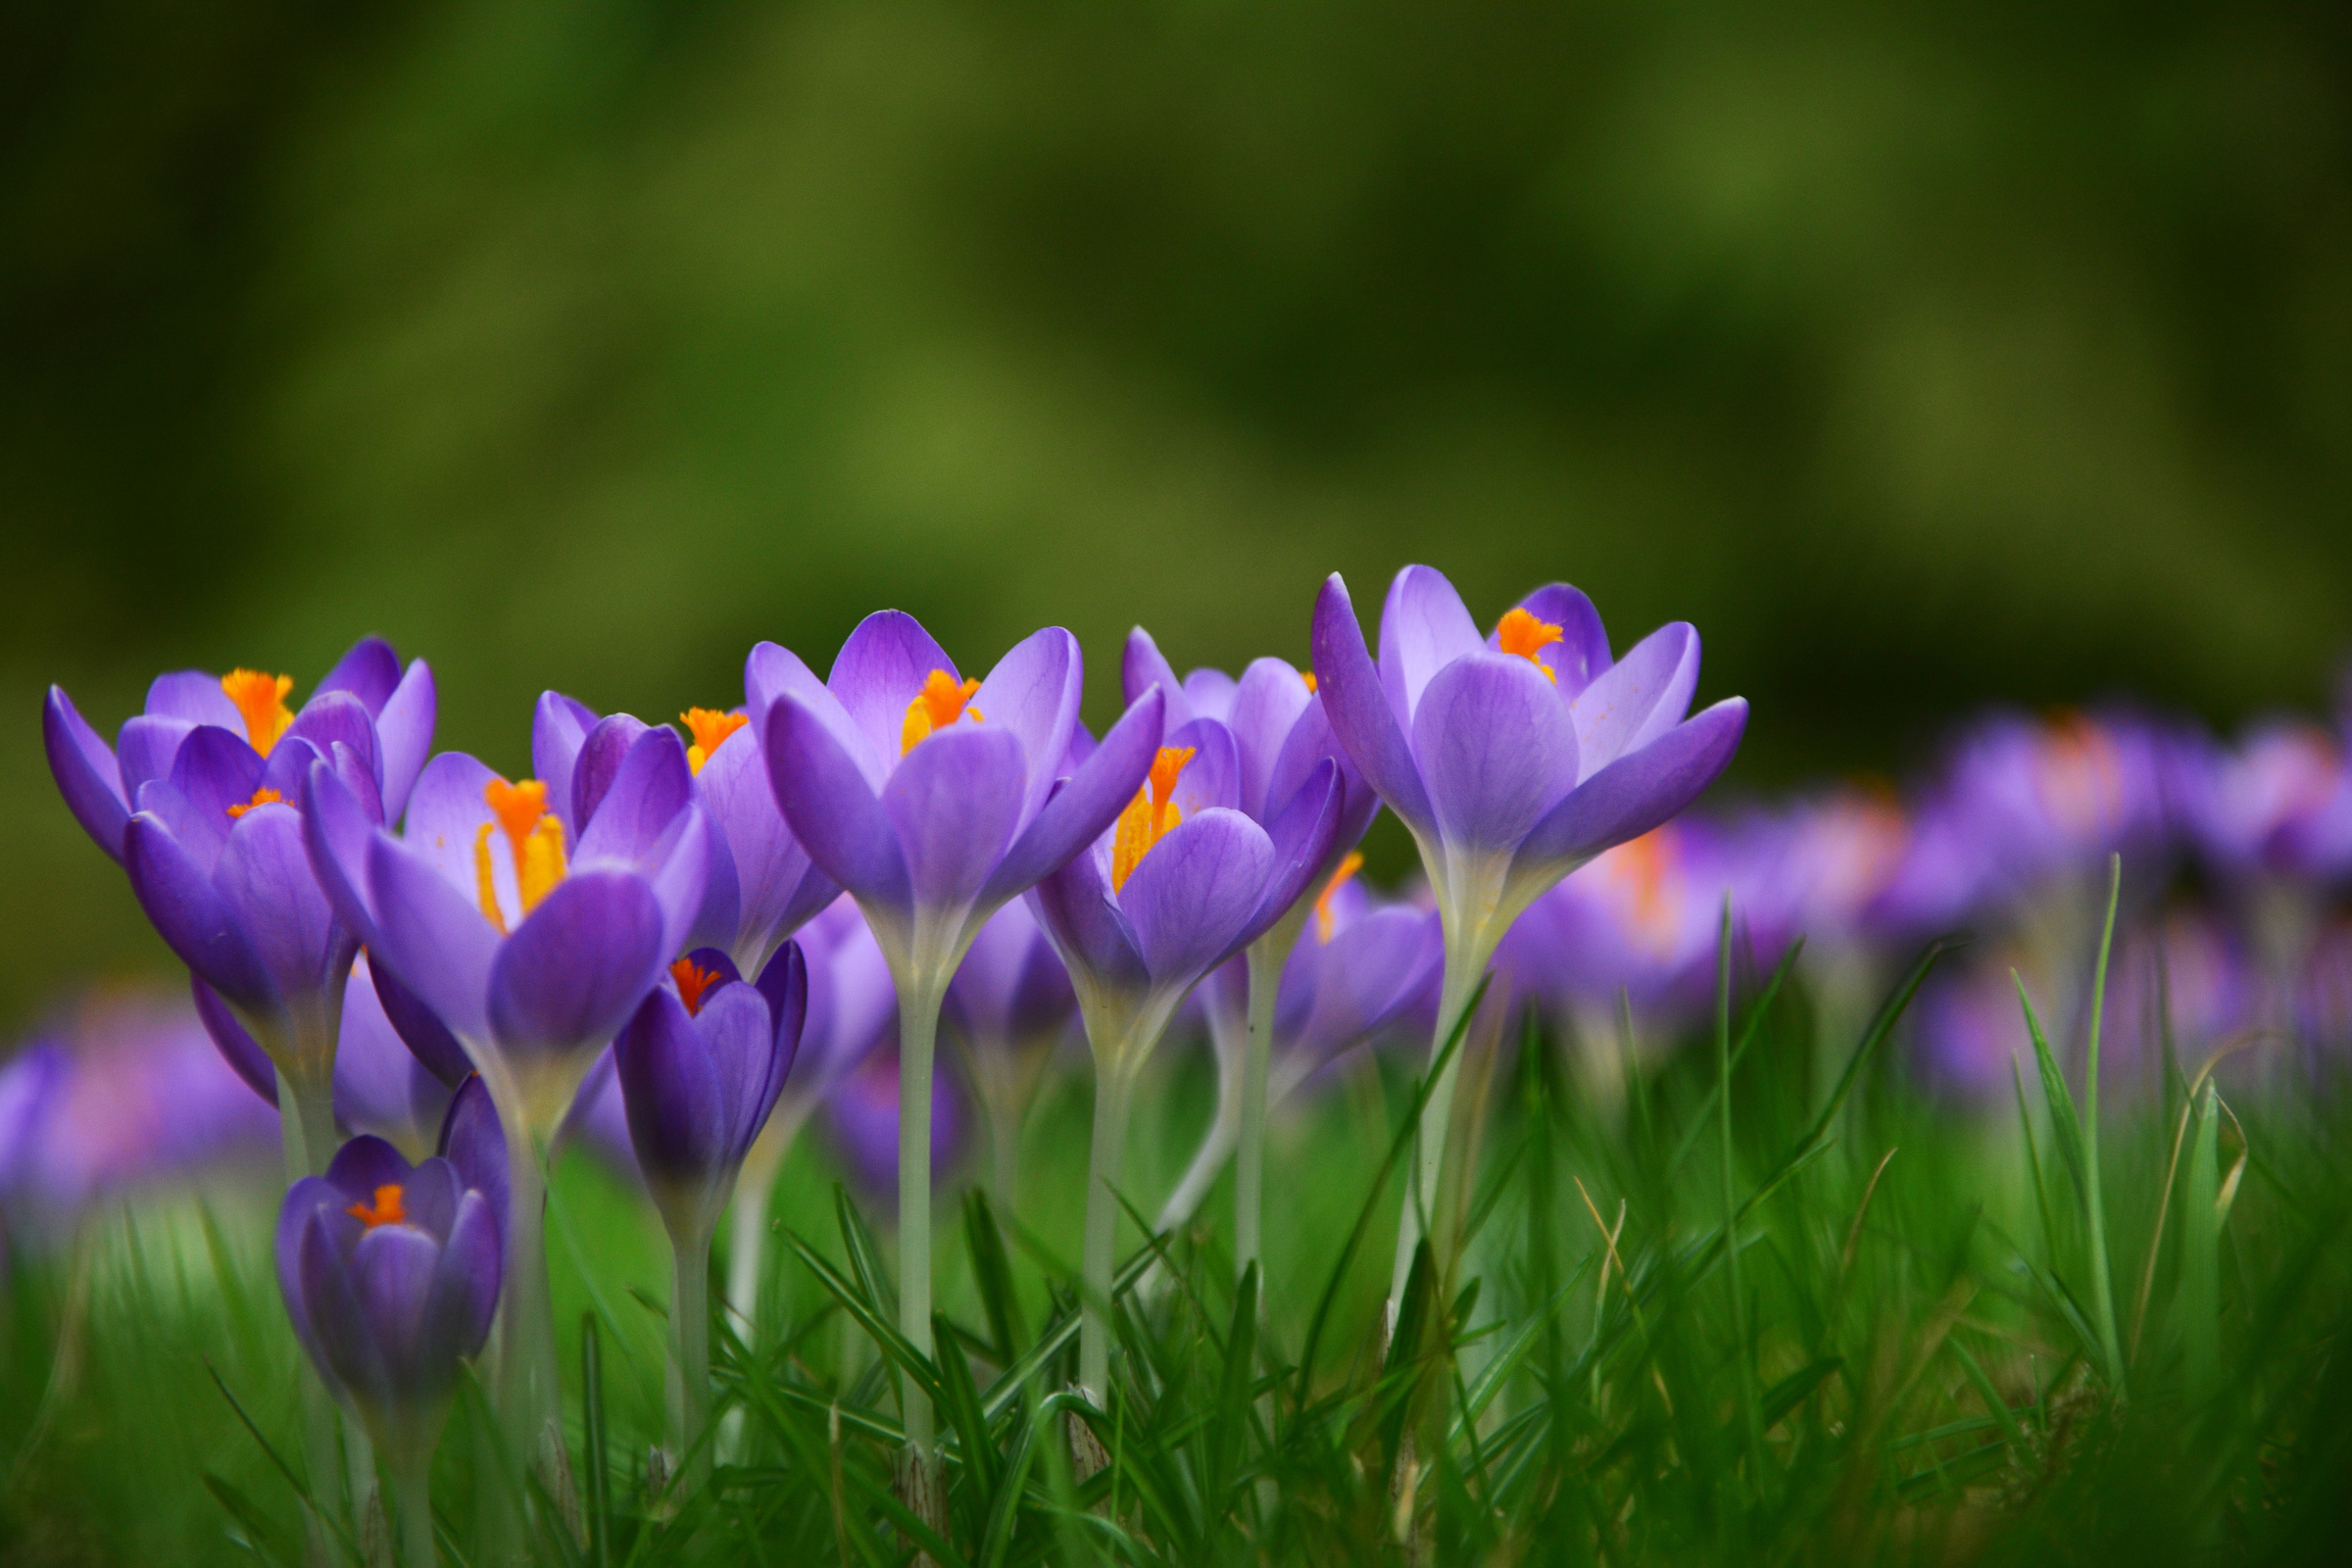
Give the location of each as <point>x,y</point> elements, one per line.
<point>1150,816</point>
<point>941,703</point>
<point>384,1210</point>
<point>709,726</point>
<point>262,700</point>
<point>1326,920</point>
<point>693,980</point>
<point>534,835</point>
<point>260,798</point>
<point>1309,677</point>
<point>1520,632</point>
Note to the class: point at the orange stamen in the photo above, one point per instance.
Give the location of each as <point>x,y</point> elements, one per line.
<point>535,838</point>
<point>693,980</point>
<point>1520,632</point>
<point>260,798</point>
<point>709,726</point>
<point>262,700</point>
<point>1309,677</point>
<point>1150,816</point>
<point>1326,920</point>
<point>384,1210</point>
<point>941,703</point>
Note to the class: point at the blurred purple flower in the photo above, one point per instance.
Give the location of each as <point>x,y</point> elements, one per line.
<point>862,1119</point>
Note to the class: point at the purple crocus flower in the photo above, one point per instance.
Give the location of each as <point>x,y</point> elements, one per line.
<point>1184,882</point>
<point>1279,734</point>
<point>862,1121</point>
<point>1512,760</point>
<point>699,1067</point>
<point>1009,1008</point>
<point>531,952</point>
<point>196,801</point>
<point>391,1275</point>
<point>933,800</point>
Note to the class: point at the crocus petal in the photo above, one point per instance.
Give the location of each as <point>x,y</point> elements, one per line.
<point>1266,707</point>
<point>1310,742</point>
<point>824,796</point>
<point>303,1202</point>
<point>195,697</point>
<point>954,803</point>
<point>264,879</point>
<point>403,731</point>
<point>463,1298</point>
<point>146,748</point>
<point>1632,795</point>
<point>1582,651</point>
<point>719,917</point>
<point>327,720</point>
<point>368,672</point>
<point>202,834</point>
<point>380,1087</point>
<point>1423,628</point>
<point>1210,692</point>
<point>418,1028</point>
<point>433,938</point>
<point>778,888</point>
<point>571,975</point>
<point>672,1090</point>
<point>475,1146</point>
<point>1195,892</point>
<point>636,804</point>
<point>1095,940</point>
<point>431,1195</point>
<point>599,764</point>
<point>1303,836</point>
<point>337,832</point>
<point>347,1350</point>
<point>191,917</point>
<point>739,1038</point>
<point>784,985</point>
<point>1496,746</point>
<point>1213,776</point>
<point>559,727</point>
<point>1076,814</point>
<point>392,1273</point>
<point>878,672</point>
<point>236,1045</point>
<point>357,775</point>
<point>1033,693</point>
<point>1142,667</point>
<point>680,875</point>
<point>85,772</point>
<point>1642,697</point>
<point>363,1164</point>
<point>447,812</point>
<point>214,772</point>
<point>1357,707</point>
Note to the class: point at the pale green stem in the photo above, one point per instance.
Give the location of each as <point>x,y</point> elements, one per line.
<point>689,1380</point>
<point>1267,955</point>
<point>306,1123</point>
<point>918,1035</point>
<point>1464,967</point>
<point>528,1401</point>
<point>1114,1087</point>
<point>413,1497</point>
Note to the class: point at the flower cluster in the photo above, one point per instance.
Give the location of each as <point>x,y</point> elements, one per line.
<point>667,933</point>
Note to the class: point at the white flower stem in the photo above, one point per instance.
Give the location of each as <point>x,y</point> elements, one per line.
<point>413,1497</point>
<point>689,1380</point>
<point>919,1034</point>
<point>1267,955</point>
<point>1464,966</point>
<point>1114,1086</point>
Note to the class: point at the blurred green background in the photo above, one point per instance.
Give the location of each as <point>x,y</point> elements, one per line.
<point>1921,356</point>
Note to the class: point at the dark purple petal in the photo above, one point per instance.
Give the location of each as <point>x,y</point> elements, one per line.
<point>303,1202</point>
<point>343,1341</point>
<point>954,803</point>
<point>391,1272</point>
<point>1423,628</point>
<point>719,919</point>
<point>192,695</point>
<point>1366,975</point>
<point>84,767</point>
<point>571,975</point>
<point>447,812</point>
<point>214,772</point>
<point>1142,667</point>
<point>431,1198</point>
<point>1497,749</point>
<point>404,733</point>
<point>328,720</point>
<point>680,876</point>
<point>1357,707</point>
<point>560,726</point>
<point>1033,693</point>
<point>1075,906</point>
<point>1194,894</point>
<point>368,672</point>
<point>363,1164</point>
<point>1076,814</point>
<point>1634,794</point>
<point>784,985</point>
<point>337,831</point>
<point>778,888</point>
<point>356,777</point>
<point>1642,697</point>
<point>1303,838</point>
<point>670,1088</point>
<point>1012,985</point>
<point>1582,651</point>
<point>1310,742</point>
<point>1266,707</point>
<point>146,748</point>
<point>463,1298</point>
<point>739,1037</point>
<point>433,939</point>
<point>236,1045</point>
<point>475,1146</point>
<point>629,805</point>
<point>202,834</point>
<point>599,764</point>
<point>191,917</point>
<point>832,811</point>
<point>878,673</point>
<point>1213,776</point>
<point>264,878</point>
<point>417,1025</point>
<point>380,1087</point>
